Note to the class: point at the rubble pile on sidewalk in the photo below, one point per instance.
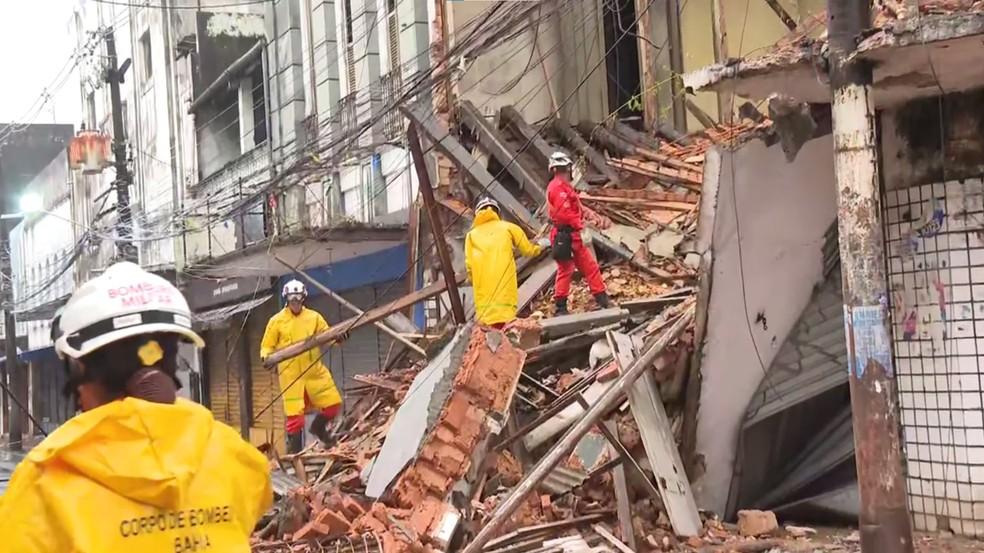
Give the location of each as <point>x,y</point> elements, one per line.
<point>428,455</point>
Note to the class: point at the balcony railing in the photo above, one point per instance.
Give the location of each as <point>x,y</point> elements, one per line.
<point>391,88</point>
<point>245,171</point>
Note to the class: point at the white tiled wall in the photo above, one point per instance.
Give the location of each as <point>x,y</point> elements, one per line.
<point>936,278</point>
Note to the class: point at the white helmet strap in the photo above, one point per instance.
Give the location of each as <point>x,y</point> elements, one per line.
<point>106,326</point>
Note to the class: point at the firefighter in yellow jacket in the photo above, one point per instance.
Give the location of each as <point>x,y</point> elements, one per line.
<point>304,380</point>
<point>138,469</point>
<point>491,264</point>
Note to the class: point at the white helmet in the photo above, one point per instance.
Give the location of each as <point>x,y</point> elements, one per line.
<point>560,159</point>
<point>486,201</point>
<point>124,301</point>
<point>294,287</point>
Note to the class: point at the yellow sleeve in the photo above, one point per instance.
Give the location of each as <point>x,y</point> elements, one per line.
<point>320,325</point>
<point>468,256</point>
<point>25,521</point>
<point>271,336</point>
<point>522,243</point>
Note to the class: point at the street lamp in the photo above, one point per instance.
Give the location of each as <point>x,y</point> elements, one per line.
<point>31,203</point>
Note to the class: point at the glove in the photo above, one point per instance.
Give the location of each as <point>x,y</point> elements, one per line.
<point>544,243</point>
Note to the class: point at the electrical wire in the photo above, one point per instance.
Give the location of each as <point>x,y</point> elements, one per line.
<point>557,111</point>
<point>206,7</point>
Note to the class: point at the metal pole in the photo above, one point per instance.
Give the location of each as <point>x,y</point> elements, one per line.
<point>124,221</point>
<point>565,446</point>
<point>424,184</point>
<point>10,335</point>
<point>885,524</point>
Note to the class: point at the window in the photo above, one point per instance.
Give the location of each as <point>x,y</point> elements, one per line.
<point>146,58</point>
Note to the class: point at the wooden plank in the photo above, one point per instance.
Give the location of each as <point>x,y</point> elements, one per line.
<point>447,144</point>
<point>490,140</point>
<point>622,503</point>
<point>688,179</point>
<point>581,146</point>
<point>353,323</point>
<point>685,207</point>
<point>659,443</point>
<point>632,135</point>
<point>603,532</point>
<point>646,194</point>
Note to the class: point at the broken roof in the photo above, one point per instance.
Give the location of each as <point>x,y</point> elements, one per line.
<point>912,57</point>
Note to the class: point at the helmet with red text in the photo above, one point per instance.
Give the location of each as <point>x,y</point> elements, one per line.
<point>124,301</point>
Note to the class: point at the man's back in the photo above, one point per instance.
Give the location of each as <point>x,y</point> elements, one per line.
<point>133,475</point>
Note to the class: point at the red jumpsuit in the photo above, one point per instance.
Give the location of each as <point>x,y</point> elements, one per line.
<point>565,209</point>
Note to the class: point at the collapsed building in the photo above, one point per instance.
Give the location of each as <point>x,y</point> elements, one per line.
<point>429,453</point>
<point>747,406</point>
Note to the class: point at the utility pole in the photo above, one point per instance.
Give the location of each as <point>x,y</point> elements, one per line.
<point>885,524</point>
<point>125,250</point>
<point>11,372</point>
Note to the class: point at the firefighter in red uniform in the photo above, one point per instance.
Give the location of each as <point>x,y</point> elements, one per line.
<point>567,216</point>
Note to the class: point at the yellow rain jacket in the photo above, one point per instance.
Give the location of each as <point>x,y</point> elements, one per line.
<point>137,476</point>
<point>492,267</point>
<point>284,329</point>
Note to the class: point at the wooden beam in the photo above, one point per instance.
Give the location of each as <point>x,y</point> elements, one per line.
<point>701,115</point>
<point>659,443</point>
<point>647,66</point>
<point>537,144</point>
<point>350,306</point>
<point>563,448</point>
<point>369,317</point>
<point>490,140</point>
<point>787,19</point>
<point>447,144</point>
<point>632,135</point>
<point>726,98</point>
<point>594,157</point>
<point>437,228</point>
<point>673,29</point>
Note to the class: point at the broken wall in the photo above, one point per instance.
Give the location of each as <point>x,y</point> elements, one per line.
<point>759,286</point>
<point>569,41</point>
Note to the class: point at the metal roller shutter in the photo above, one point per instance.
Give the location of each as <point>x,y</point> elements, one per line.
<point>266,386</point>
<point>223,381</point>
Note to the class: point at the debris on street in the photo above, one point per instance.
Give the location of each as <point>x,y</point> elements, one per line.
<point>555,433</point>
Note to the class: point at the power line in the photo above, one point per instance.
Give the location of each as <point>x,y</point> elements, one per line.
<point>147,4</point>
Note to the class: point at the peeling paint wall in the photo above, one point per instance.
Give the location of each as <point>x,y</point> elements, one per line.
<point>784,211</point>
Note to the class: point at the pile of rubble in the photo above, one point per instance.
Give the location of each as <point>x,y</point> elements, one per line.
<point>557,433</point>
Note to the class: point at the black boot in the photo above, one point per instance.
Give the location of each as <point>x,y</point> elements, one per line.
<point>603,301</point>
<point>319,427</point>
<point>561,304</point>
<point>295,442</point>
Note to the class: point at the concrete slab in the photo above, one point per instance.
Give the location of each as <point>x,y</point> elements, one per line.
<point>556,327</point>
<point>417,414</point>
